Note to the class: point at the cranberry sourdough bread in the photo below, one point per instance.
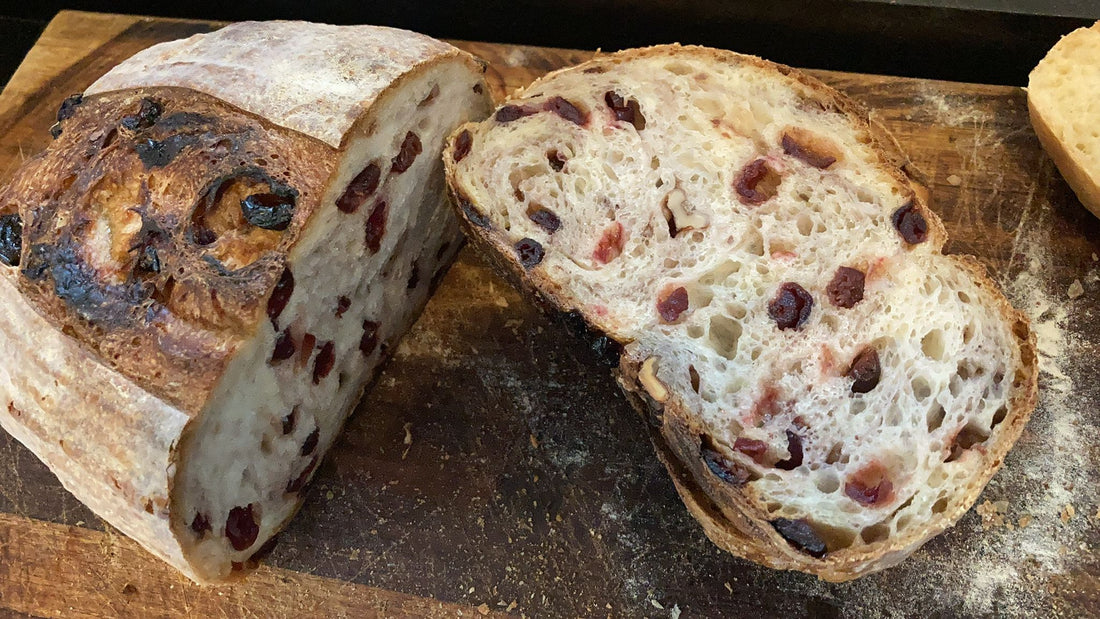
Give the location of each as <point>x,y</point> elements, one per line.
<point>826,388</point>
<point>210,262</point>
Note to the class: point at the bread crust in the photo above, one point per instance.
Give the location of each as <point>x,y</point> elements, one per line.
<point>731,517</point>
<point>282,74</point>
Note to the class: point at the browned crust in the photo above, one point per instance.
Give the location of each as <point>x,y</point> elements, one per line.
<point>730,517</point>
<point>172,331</point>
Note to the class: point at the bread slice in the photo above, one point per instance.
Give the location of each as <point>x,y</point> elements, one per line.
<point>212,260</point>
<point>827,390</point>
<point>1061,98</point>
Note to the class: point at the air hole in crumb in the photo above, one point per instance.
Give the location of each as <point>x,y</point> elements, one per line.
<point>724,334</point>
<point>875,533</point>
<point>932,345</point>
<point>834,454</point>
<point>921,388</point>
<point>940,506</point>
<point>999,416</point>
<point>827,481</point>
<point>694,376</point>
<point>935,417</point>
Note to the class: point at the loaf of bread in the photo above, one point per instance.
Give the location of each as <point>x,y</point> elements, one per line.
<point>827,390</point>
<point>1061,98</point>
<point>211,261</point>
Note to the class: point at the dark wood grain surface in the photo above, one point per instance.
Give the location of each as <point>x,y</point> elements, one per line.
<point>494,466</point>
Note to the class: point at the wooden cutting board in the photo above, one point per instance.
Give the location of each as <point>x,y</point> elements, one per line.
<point>494,468</point>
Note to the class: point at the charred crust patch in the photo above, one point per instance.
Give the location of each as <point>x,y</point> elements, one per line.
<point>11,239</point>
<point>608,350</point>
<point>801,535</point>
<point>149,110</point>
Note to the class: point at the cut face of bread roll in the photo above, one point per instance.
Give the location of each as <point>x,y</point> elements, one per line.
<point>1061,97</point>
<point>212,260</point>
<point>826,388</point>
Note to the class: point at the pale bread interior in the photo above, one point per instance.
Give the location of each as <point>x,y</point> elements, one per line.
<point>239,454</point>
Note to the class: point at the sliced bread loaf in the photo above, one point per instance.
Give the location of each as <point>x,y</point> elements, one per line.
<point>826,388</point>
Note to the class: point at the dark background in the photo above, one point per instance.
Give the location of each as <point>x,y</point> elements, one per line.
<point>990,41</point>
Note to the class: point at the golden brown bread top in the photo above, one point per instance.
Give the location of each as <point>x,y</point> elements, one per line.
<point>156,227</point>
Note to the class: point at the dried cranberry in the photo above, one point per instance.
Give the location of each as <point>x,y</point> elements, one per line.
<point>673,304</point>
<point>369,339</point>
<point>508,113</point>
<point>801,535</point>
<point>757,183</point>
<point>201,524</point>
<point>727,470</point>
<point>624,110</point>
<point>359,189</point>
<point>755,449</point>
<point>530,252</point>
<point>463,143</point>
<point>309,341</point>
<point>556,160</point>
<point>794,447</point>
<point>68,106</point>
<point>868,495</point>
<point>297,483</point>
<point>270,211</point>
<point>324,362</point>
<point>284,346</point>
<point>865,371</point>
<point>566,110</point>
<point>846,288</point>
<point>342,305</point>
<point>805,154</point>
<point>11,239</point>
<point>791,306</point>
<point>545,218</point>
<point>147,114</point>
<point>610,244</point>
<point>241,527</point>
<point>473,215</point>
<point>280,296</point>
<point>414,276</point>
<point>290,420</point>
<point>911,224</point>
<point>410,148</point>
<point>376,227</point>
<point>310,444</point>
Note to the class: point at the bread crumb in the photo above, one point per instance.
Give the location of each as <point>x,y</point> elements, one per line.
<point>408,434</point>
<point>675,612</point>
<point>992,514</point>
<point>1023,521</point>
<point>483,609</point>
<point>1095,257</point>
<point>511,607</point>
<point>656,604</point>
<point>730,589</point>
<point>954,180</point>
<point>534,442</point>
<point>1075,289</point>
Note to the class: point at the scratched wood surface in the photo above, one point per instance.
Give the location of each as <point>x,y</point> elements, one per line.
<point>495,468</point>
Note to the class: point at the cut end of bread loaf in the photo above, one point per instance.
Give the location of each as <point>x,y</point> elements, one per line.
<point>1061,94</point>
<point>835,390</point>
<point>247,278</point>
